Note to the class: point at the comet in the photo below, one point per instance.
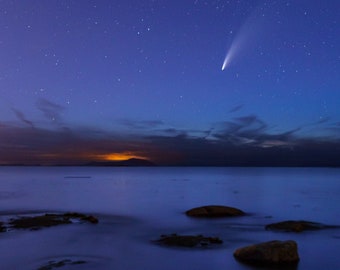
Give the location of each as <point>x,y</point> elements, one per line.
<point>247,34</point>
<point>230,54</point>
<point>226,61</point>
<point>235,48</point>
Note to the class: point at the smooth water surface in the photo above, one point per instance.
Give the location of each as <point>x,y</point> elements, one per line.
<point>136,205</point>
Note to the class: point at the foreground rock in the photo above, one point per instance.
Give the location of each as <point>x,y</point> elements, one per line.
<point>296,226</point>
<point>188,240</point>
<point>49,220</point>
<point>211,211</point>
<point>280,253</point>
<point>2,228</point>
<point>54,264</point>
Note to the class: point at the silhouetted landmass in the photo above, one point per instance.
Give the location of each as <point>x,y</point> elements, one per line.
<point>133,162</point>
<point>228,157</point>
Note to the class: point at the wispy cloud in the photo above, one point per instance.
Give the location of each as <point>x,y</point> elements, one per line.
<point>22,118</point>
<point>236,108</point>
<point>138,124</point>
<point>246,141</point>
<point>51,110</point>
<point>247,127</point>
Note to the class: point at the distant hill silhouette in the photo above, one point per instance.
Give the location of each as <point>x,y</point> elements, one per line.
<point>132,162</point>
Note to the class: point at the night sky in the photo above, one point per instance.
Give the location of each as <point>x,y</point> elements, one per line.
<point>192,82</point>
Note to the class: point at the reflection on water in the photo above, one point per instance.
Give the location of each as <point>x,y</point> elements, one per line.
<point>137,205</point>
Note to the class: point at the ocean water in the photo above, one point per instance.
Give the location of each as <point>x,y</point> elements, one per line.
<point>137,205</point>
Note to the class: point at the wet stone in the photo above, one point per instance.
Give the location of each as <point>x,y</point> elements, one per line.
<point>57,264</point>
<point>82,217</point>
<point>49,220</point>
<point>278,253</point>
<point>214,211</point>
<point>191,241</point>
<point>296,226</point>
<point>2,228</point>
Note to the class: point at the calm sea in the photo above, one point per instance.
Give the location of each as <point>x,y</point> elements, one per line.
<point>136,205</point>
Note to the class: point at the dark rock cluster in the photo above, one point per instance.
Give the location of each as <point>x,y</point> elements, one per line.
<point>53,264</point>
<point>45,220</point>
<point>37,222</point>
<point>188,240</point>
<point>296,226</point>
<point>2,228</point>
<point>278,253</point>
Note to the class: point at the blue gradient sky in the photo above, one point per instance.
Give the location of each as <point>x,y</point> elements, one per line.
<point>145,69</point>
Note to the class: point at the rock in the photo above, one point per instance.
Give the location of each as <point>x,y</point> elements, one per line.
<point>269,253</point>
<point>91,219</point>
<point>188,240</point>
<point>48,220</point>
<point>214,211</point>
<point>35,223</point>
<point>54,264</point>
<point>2,228</point>
<point>83,217</point>
<point>295,226</point>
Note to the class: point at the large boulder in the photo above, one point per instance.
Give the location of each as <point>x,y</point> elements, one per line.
<point>269,253</point>
<point>198,241</point>
<point>214,211</point>
<point>295,226</point>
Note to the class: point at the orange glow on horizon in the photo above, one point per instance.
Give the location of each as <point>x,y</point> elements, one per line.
<point>120,156</point>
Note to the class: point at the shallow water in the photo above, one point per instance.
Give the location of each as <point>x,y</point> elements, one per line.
<point>136,205</point>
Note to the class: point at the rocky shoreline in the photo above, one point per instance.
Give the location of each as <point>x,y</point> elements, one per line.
<point>274,252</point>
